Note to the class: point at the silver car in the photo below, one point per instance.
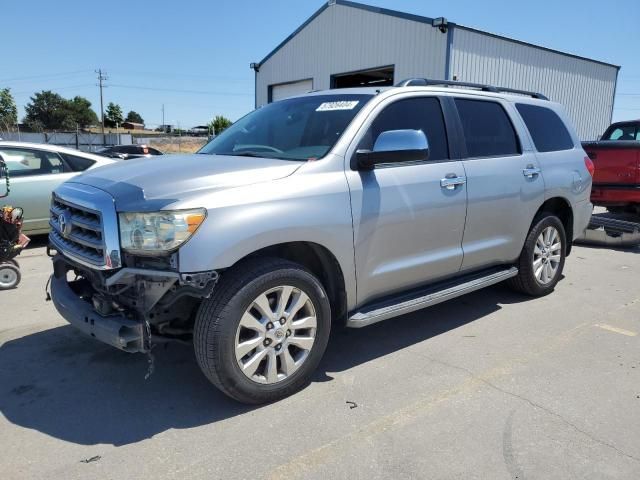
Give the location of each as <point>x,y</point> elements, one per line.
<point>336,207</point>
<point>35,170</point>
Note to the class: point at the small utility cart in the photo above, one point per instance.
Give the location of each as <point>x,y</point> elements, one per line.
<point>12,241</point>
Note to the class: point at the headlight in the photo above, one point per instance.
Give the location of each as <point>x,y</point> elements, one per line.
<point>158,232</point>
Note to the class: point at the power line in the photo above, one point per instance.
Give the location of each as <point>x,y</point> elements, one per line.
<point>47,75</point>
<point>68,87</point>
<point>197,92</point>
<point>183,75</point>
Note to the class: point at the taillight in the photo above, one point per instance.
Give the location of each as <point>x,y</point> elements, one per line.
<point>590,166</point>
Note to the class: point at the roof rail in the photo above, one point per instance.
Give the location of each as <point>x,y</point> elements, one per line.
<point>424,82</point>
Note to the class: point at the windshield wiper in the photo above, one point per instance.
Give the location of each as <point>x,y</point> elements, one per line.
<point>243,154</point>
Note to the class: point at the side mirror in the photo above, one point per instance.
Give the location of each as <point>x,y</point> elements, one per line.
<point>395,146</point>
<point>4,178</point>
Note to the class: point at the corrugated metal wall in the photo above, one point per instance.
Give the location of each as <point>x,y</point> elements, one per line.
<point>343,39</point>
<point>585,88</point>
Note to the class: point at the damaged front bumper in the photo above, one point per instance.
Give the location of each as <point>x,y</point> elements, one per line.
<point>131,308</point>
<point>116,330</point>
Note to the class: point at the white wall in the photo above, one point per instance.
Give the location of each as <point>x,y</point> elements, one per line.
<point>344,39</point>
<point>584,87</point>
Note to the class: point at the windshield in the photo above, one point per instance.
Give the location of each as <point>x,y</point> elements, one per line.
<point>300,128</point>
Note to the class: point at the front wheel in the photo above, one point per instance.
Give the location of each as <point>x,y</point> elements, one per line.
<point>542,259</point>
<point>261,335</point>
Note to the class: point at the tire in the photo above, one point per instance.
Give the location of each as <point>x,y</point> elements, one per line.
<point>10,276</point>
<point>530,280</point>
<point>227,324</point>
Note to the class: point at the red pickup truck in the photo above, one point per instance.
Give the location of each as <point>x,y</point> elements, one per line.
<point>616,183</point>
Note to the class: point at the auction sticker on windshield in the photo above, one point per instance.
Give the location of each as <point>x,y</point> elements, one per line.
<point>343,105</point>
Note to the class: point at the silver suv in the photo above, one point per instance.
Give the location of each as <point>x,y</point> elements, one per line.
<point>335,207</point>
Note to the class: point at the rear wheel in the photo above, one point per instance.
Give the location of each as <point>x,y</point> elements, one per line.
<point>9,276</point>
<point>542,259</point>
<point>260,337</point>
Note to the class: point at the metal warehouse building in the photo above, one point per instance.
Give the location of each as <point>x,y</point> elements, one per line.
<point>347,44</point>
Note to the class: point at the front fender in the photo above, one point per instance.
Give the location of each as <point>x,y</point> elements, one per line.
<point>311,207</point>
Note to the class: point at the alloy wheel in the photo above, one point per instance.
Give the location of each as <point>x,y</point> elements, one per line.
<point>276,334</point>
<point>547,255</point>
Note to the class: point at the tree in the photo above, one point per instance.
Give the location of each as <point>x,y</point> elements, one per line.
<point>81,112</point>
<point>8,110</point>
<point>49,111</point>
<point>113,115</point>
<point>134,117</point>
<point>219,123</point>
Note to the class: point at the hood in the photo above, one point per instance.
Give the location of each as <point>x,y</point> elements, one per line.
<point>147,184</point>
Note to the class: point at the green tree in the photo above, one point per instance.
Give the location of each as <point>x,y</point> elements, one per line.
<point>219,123</point>
<point>81,112</point>
<point>134,117</point>
<point>113,115</point>
<point>49,111</point>
<point>8,110</point>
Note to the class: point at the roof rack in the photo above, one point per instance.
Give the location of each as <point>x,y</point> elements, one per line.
<point>423,82</point>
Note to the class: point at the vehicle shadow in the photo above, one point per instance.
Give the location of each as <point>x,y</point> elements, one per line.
<point>615,248</point>
<point>67,386</point>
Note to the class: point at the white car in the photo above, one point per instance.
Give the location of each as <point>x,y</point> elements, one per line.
<point>35,170</point>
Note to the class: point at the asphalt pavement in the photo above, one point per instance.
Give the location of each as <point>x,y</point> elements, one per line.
<point>493,385</point>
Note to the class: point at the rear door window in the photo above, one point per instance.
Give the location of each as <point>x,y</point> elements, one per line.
<point>488,131</point>
<point>547,130</point>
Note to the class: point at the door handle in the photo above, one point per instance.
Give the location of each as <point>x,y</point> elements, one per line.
<point>531,171</point>
<point>451,182</point>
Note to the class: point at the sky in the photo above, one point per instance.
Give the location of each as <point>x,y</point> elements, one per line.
<point>194,56</point>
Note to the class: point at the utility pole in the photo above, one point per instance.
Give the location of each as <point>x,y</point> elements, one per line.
<point>163,127</point>
<point>101,78</point>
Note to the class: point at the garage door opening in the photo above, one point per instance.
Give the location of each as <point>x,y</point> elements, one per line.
<point>374,77</point>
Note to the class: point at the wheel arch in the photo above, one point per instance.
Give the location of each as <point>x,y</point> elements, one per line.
<point>320,262</point>
<point>560,207</point>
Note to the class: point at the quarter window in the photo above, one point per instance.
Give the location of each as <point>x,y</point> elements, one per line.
<point>488,132</point>
<point>78,164</point>
<point>547,130</point>
<point>414,114</point>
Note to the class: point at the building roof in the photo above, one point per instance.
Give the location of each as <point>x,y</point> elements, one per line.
<point>420,19</point>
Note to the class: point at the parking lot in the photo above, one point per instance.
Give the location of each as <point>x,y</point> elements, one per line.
<point>492,385</point>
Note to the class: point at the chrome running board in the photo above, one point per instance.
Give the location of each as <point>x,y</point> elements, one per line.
<point>428,296</point>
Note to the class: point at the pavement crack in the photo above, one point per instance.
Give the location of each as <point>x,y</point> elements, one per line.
<point>535,405</point>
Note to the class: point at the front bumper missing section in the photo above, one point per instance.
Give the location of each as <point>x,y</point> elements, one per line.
<point>115,330</point>
<point>102,313</point>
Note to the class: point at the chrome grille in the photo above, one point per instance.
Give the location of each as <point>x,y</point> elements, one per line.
<point>83,237</point>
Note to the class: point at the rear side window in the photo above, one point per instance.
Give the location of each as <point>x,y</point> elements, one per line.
<point>548,131</point>
<point>77,164</point>
<point>623,132</point>
<point>414,114</point>
<point>131,149</point>
<point>488,132</point>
